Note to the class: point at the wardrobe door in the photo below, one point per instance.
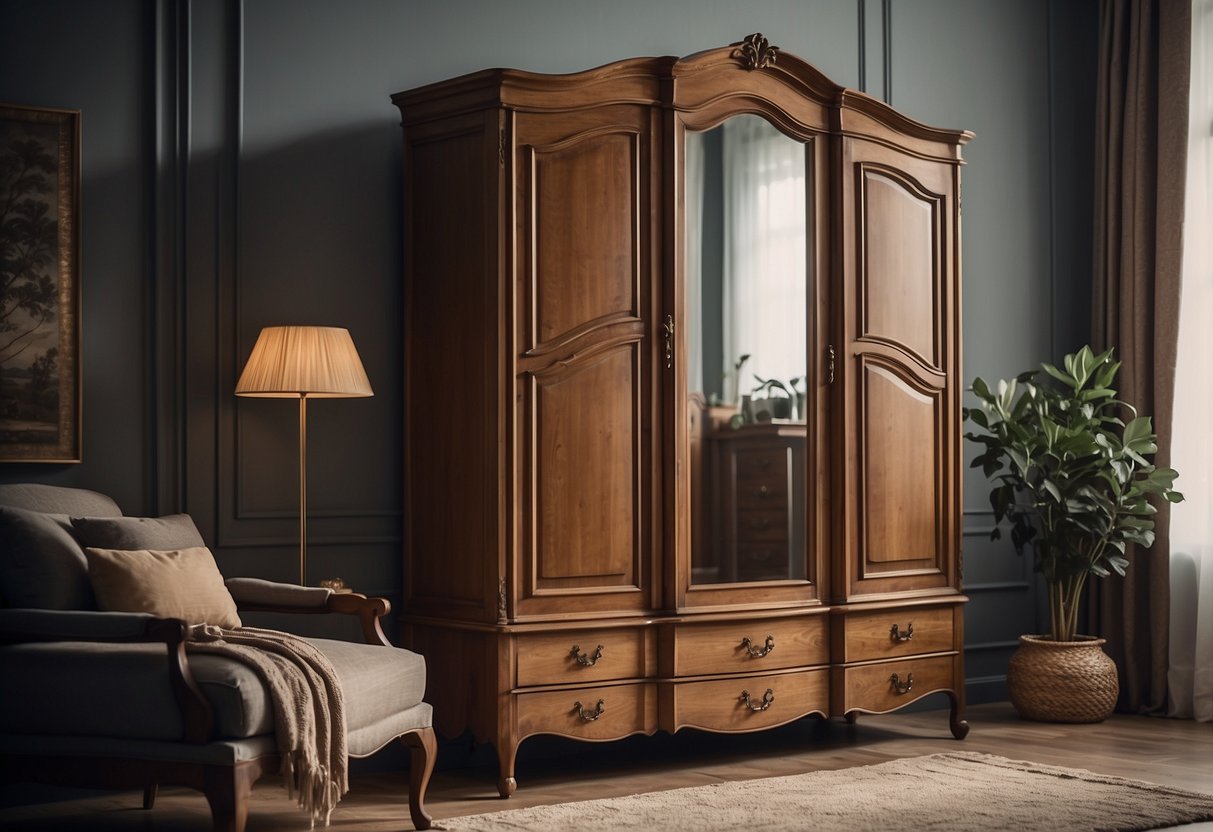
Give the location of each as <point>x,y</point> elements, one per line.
<point>899,369</point>
<point>586,402</point>
<point>752,221</point>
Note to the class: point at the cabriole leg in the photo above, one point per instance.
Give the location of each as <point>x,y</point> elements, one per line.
<point>423,751</point>
<point>956,721</point>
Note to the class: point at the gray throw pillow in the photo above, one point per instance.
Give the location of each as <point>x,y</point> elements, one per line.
<point>41,565</point>
<point>175,531</point>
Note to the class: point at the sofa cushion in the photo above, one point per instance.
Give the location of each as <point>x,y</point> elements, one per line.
<point>174,531</point>
<point>129,697</point>
<point>378,683</point>
<point>57,499</point>
<point>175,583</point>
<point>41,565</point>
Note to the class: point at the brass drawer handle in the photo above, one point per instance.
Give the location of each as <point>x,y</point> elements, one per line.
<point>760,524</point>
<point>758,652</point>
<point>585,659</point>
<point>589,716</point>
<point>899,687</point>
<point>767,699</point>
<point>899,635</point>
<point>763,492</point>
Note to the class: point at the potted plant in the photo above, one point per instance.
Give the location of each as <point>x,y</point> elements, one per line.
<point>1073,479</point>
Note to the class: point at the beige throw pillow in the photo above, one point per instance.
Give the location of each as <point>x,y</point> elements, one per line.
<point>173,583</point>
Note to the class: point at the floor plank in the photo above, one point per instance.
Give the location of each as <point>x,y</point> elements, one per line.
<point>1170,752</point>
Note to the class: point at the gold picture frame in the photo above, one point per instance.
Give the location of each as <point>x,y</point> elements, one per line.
<point>40,390</point>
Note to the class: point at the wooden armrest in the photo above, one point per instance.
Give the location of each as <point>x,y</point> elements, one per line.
<point>64,626</point>
<point>368,610</point>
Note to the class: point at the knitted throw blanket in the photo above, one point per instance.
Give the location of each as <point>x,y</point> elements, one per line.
<point>309,712</point>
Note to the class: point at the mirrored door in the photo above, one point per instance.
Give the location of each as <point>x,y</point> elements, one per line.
<point>747,273</point>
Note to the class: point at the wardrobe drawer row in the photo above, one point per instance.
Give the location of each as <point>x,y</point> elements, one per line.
<point>758,645</point>
<point>744,702</point>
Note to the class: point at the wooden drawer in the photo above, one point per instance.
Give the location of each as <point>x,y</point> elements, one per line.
<point>769,462</point>
<point>605,654</point>
<point>701,649</point>
<point>774,699</point>
<point>605,712</point>
<point>872,687</point>
<point>870,635</point>
<point>767,525</point>
<point>762,492</point>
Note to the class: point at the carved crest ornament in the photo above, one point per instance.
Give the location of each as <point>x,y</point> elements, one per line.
<point>756,52</point>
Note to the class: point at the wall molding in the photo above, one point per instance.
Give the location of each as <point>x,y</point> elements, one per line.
<point>166,215</point>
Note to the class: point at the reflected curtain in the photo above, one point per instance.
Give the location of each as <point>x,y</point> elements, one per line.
<point>1141,139</point>
<point>1190,681</point>
<point>764,251</point>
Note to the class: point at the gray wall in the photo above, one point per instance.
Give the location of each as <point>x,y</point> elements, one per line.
<point>241,168</point>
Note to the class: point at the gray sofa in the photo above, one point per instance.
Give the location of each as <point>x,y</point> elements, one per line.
<point>111,699</point>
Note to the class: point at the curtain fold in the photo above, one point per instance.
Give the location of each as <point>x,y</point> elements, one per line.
<point>764,251</point>
<point>1141,142</point>
<point>1190,680</point>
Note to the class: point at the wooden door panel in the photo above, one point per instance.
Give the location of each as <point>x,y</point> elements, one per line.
<point>583,231</point>
<point>585,473</point>
<point>900,259</point>
<point>900,395</point>
<point>900,476</point>
<point>585,448</point>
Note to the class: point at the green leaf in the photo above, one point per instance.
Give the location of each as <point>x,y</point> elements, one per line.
<point>1137,430</point>
<point>981,390</point>
<point>1058,374</point>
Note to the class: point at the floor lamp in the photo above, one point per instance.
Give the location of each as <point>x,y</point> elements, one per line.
<point>304,362</point>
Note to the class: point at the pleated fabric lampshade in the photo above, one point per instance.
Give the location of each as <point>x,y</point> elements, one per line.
<point>304,362</point>
<point>317,361</point>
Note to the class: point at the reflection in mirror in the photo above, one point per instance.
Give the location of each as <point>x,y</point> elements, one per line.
<point>746,277</point>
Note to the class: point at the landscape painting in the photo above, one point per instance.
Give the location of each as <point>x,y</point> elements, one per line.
<point>39,285</point>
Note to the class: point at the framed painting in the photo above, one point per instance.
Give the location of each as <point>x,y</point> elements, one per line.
<point>39,284</point>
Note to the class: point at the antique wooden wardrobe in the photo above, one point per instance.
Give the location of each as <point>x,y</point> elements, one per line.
<point>602,536</point>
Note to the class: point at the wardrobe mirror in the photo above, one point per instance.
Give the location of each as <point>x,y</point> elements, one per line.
<point>746,272</point>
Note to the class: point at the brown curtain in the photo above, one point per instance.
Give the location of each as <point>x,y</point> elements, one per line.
<point>1140,154</point>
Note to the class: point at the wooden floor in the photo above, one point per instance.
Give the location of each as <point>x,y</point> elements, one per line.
<point>1171,752</point>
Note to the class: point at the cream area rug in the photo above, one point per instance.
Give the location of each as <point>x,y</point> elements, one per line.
<point>964,791</point>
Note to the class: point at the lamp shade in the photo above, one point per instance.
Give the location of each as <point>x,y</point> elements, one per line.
<point>314,361</point>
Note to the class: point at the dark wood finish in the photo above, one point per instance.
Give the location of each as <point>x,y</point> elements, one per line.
<point>226,788</point>
<point>369,612</point>
<point>547,493</point>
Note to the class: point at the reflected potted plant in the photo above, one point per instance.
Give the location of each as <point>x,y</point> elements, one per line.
<point>773,405</point>
<point>1074,481</point>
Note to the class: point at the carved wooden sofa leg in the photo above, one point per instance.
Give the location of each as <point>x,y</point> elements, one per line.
<point>423,751</point>
<point>227,791</point>
<point>149,795</point>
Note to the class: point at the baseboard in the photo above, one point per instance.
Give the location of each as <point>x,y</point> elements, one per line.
<point>982,689</point>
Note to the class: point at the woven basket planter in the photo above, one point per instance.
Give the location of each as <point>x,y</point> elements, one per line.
<point>1062,681</point>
